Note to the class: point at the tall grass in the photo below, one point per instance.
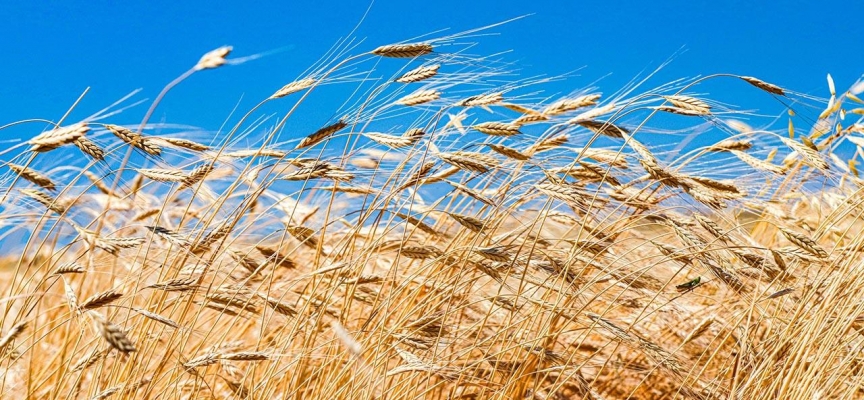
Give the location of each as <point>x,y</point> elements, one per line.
<point>449,233</point>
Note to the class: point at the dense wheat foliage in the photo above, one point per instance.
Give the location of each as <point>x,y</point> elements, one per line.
<point>450,233</point>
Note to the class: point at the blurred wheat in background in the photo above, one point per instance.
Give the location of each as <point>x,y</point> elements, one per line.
<point>450,233</point>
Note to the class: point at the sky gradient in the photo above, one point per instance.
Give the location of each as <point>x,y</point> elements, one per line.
<point>52,53</point>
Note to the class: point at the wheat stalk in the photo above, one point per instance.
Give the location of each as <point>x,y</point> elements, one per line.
<point>497,128</point>
<point>407,50</point>
<point>294,87</point>
<point>113,334</point>
<point>213,59</point>
<point>321,134</point>
<point>419,97</point>
<point>770,88</point>
<point>58,137</point>
<point>185,144</point>
<point>419,74</point>
<point>32,176</point>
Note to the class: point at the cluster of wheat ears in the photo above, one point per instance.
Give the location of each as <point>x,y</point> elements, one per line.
<point>498,244</point>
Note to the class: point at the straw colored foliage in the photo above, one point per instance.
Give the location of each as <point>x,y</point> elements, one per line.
<point>555,248</point>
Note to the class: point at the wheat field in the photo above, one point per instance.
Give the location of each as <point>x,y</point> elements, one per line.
<point>452,232</point>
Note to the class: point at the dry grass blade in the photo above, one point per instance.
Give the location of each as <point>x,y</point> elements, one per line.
<point>542,264</point>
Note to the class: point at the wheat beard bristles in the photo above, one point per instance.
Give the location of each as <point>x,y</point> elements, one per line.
<point>428,237</point>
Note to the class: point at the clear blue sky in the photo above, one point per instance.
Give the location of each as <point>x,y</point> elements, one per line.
<point>50,53</point>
